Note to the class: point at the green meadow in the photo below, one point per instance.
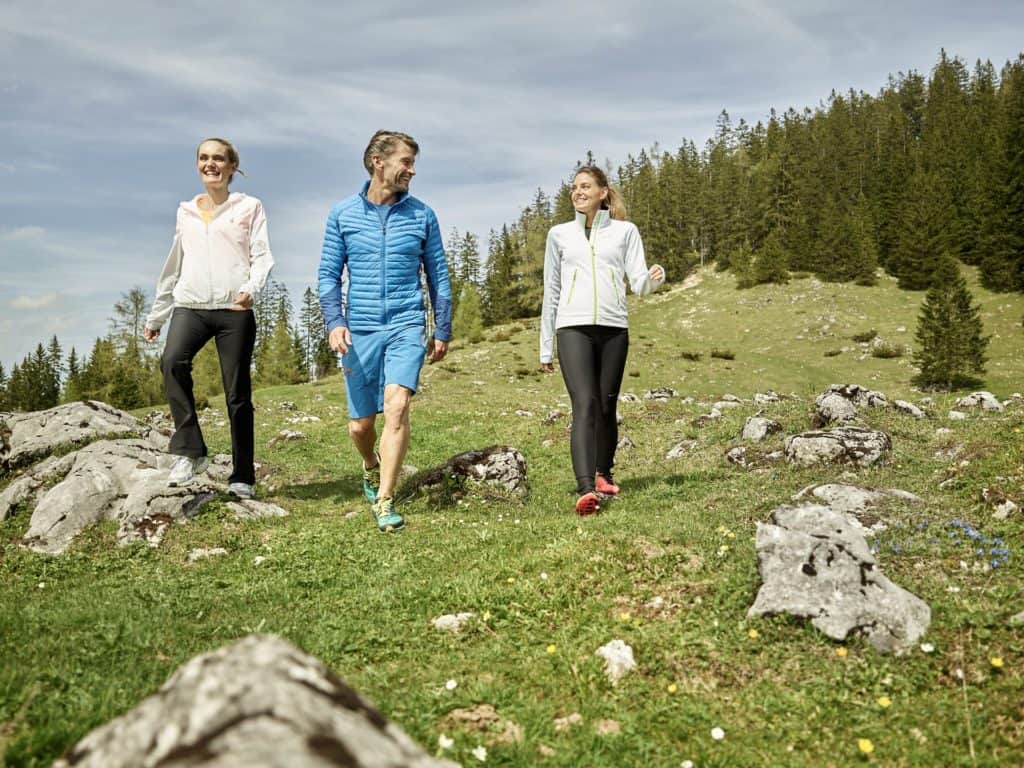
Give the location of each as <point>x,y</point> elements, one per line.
<point>86,635</point>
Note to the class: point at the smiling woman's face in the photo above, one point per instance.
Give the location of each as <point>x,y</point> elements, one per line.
<point>587,194</point>
<point>212,162</point>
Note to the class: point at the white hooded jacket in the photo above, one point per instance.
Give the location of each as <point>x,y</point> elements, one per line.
<point>585,279</point>
<point>210,264</point>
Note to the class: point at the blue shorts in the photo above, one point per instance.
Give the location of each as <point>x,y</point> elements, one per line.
<point>379,358</point>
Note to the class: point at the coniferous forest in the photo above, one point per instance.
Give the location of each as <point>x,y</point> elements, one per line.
<point>930,167</point>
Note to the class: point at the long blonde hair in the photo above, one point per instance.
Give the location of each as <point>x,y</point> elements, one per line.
<point>614,203</point>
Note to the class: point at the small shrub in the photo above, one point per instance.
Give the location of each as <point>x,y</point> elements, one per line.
<point>800,275</point>
<point>694,356</point>
<point>501,336</point>
<point>866,336</point>
<point>523,372</point>
<point>886,349</point>
<point>517,328</point>
<point>833,352</point>
<point>635,374</point>
<point>723,354</point>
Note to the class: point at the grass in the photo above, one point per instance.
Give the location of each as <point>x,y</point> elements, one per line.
<point>85,636</point>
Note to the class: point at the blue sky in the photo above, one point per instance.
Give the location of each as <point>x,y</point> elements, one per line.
<point>104,102</point>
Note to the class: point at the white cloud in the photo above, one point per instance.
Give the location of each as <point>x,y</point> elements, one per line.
<point>24,233</point>
<point>34,302</point>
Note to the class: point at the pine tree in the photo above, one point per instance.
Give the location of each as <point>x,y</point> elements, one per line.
<point>126,324</point>
<point>923,236</point>
<point>98,371</point>
<point>72,384</point>
<point>278,361</point>
<point>125,389</point>
<point>770,261</point>
<point>468,322</point>
<point>4,398</point>
<point>951,347</point>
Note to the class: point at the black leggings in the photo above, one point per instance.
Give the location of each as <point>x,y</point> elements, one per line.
<point>592,359</point>
<point>235,333</point>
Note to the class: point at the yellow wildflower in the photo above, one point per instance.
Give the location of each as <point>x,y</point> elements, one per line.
<point>997,662</point>
<point>672,688</point>
<point>552,648</point>
<point>884,702</point>
<point>841,652</point>
<point>753,634</point>
<point>865,746</point>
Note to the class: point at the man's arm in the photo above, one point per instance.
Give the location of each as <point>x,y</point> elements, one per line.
<point>333,258</point>
<point>439,286</point>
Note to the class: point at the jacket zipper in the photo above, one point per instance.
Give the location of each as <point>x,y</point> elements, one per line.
<point>615,286</point>
<point>593,271</point>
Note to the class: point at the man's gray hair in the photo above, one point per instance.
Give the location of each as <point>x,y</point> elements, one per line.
<point>383,144</point>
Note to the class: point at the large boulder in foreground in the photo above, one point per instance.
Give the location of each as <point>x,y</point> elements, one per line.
<point>28,437</point>
<point>841,445</point>
<point>259,703</point>
<point>815,565</point>
<point>500,466</point>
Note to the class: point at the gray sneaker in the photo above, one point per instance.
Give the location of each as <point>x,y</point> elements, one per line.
<point>185,470</point>
<point>241,490</point>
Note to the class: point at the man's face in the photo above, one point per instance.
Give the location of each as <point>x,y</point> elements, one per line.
<point>396,170</point>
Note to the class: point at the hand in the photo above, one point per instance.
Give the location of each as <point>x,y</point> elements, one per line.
<point>657,273</point>
<point>340,339</point>
<point>243,301</point>
<point>547,367</point>
<point>439,350</point>
<point>150,335</point>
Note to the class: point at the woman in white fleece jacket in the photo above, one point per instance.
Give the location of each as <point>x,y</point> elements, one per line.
<point>586,265</point>
<point>219,262</point>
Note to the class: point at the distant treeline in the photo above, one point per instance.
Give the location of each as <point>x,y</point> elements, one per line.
<point>928,167</point>
<point>121,369</point>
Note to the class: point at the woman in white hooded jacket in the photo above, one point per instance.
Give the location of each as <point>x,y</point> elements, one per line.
<point>219,262</point>
<point>586,265</point>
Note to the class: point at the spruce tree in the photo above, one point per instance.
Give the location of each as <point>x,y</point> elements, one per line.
<point>4,380</point>
<point>468,322</point>
<point>770,260</point>
<point>950,350</point>
<point>923,237</point>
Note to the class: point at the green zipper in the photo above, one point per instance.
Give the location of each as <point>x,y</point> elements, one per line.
<point>615,285</point>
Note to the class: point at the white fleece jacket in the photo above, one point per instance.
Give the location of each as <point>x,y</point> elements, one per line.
<point>584,280</point>
<point>210,264</point>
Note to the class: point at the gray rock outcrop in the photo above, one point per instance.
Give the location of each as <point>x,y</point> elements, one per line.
<point>861,505</point>
<point>841,445</point>
<point>984,400</point>
<point>259,703</point>
<point>832,408</point>
<point>500,466</point>
<point>858,395</point>
<point>909,408</point>
<point>815,565</point>
<point>28,437</point>
<point>121,480</point>
<point>757,428</point>
<point>660,394</point>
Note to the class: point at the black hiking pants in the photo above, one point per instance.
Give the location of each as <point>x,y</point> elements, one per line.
<point>592,359</point>
<point>235,334</point>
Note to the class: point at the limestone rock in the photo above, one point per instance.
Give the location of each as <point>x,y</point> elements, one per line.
<point>706,418</point>
<point>498,465</point>
<point>624,444</point>
<point>552,417</point>
<point>284,436</point>
<point>660,394</point>
<point>27,437</point>
<point>451,622</point>
<point>203,553</point>
<point>259,703</point>
<point>1017,620</point>
<point>251,509</point>
<point>764,398</point>
<point>984,400</point>
<point>956,416</point>
<point>858,395</point>
<point>522,412</point>
<point>832,408</point>
<point>859,504</point>
<point>727,398</point>
<point>841,445</point>
<point>724,405</point>
<point>814,564</point>
<point>681,448</point>
<point>628,397</point>
<point>287,405</point>
<point>909,408</point>
<point>618,660</point>
<point>757,428</point>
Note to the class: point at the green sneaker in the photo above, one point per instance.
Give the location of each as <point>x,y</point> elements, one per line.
<point>371,481</point>
<point>386,515</point>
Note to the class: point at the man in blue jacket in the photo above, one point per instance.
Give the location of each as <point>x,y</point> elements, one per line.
<point>381,239</point>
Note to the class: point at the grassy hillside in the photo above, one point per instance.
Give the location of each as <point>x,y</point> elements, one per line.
<point>85,636</point>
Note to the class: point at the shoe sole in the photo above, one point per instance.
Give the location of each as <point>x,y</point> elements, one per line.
<point>587,507</point>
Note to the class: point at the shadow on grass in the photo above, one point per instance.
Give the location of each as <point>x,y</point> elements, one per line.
<point>677,482</point>
<point>346,488</point>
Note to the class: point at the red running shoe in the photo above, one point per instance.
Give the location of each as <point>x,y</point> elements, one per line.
<point>606,486</point>
<point>587,504</point>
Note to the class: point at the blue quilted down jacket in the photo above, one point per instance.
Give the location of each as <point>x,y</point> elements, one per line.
<point>382,262</point>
